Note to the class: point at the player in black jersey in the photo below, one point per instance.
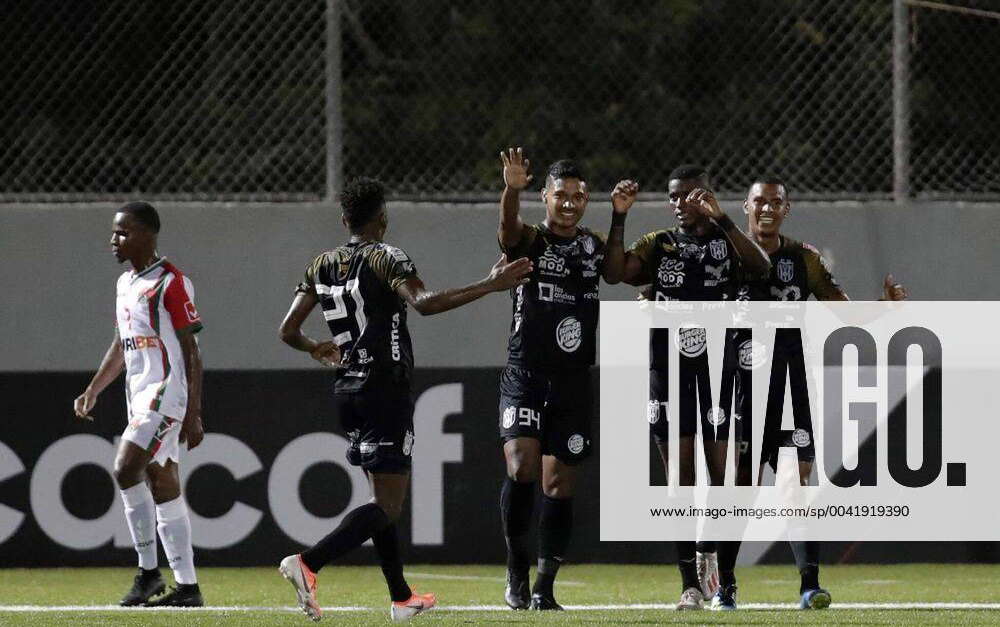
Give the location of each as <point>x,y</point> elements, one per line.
<point>364,287</point>
<point>545,391</point>
<point>703,258</point>
<point>798,271</point>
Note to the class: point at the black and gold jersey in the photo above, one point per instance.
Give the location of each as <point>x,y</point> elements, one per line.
<point>555,314</point>
<point>688,267</point>
<point>356,287</point>
<point>798,271</point>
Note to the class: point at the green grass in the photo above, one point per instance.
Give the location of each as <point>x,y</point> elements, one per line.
<point>584,585</point>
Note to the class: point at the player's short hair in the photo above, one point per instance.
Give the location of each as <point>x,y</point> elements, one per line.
<point>769,179</point>
<point>144,214</point>
<point>565,169</point>
<point>688,171</point>
<point>362,199</point>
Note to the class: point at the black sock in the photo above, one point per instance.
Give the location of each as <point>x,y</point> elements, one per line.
<point>807,560</point>
<point>357,526</point>
<point>555,523</point>
<point>728,551</point>
<point>517,500</point>
<point>707,546</point>
<point>686,564</point>
<point>387,545</point>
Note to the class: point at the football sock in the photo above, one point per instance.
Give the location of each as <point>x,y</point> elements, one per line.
<point>807,560</point>
<point>555,524</point>
<point>175,534</point>
<point>728,551</point>
<point>387,545</point>
<point>517,500</point>
<point>706,546</point>
<point>140,514</point>
<point>686,564</point>
<point>357,526</point>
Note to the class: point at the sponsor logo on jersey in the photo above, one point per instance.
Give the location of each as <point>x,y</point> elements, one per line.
<point>716,275</point>
<point>396,253</point>
<point>746,354</point>
<point>575,444</point>
<point>786,270</point>
<point>569,334</point>
<point>140,342</point>
<point>800,438</point>
<point>787,293</point>
<point>591,296</point>
<point>408,442</point>
<point>692,251</point>
<point>670,273</point>
<point>692,341</point>
<point>718,249</point>
<point>590,265</point>
<point>394,338</point>
<point>716,416</point>
<point>551,264</point>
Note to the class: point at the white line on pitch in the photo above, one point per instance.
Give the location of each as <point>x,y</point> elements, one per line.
<point>492,608</point>
<point>478,578</point>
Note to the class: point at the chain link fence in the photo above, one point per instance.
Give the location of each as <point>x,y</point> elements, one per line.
<point>278,100</point>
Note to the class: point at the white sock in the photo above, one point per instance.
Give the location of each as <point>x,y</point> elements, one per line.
<point>141,519</point>
<point>175,534</point>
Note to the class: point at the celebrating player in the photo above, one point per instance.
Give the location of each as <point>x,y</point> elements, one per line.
<point>545,390</point>
<point>703,258</point>
<point>798,271</point>
<point>363,288</point>
<point>155,343</point>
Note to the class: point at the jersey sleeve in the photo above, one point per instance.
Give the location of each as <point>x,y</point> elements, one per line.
<point>308,283</point>
<point>393,266</point>
<point>818,276</point>
<point>178,300</point>
<point>528,235</point>
<point>643,249</point>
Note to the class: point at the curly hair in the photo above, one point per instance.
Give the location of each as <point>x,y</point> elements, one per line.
<point>362,199</point>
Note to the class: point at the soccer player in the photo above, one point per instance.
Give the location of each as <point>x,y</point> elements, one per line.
<point>545,390</point>
<point>798,271</point>
<point>155,343</point>
<point>364,287</point>
<point>703,258</point>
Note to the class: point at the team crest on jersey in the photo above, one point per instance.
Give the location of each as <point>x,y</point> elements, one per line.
<point>408,443</point>
<point>653,412</point>
<point>569,334</point>
<point>588,244</point>
<point>786,270</point>
<point>718,249</point>
<point>509,416</point>
<point>692,341</point>
<point>692,251</point>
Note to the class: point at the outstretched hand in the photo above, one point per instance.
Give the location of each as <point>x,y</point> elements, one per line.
<point>706,202</point>
<point>504,276</point>
<point>623,196</point>
<point>892,290</point>
<point>515,168</point>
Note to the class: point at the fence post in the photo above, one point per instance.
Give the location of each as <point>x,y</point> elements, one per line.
<point>900,101</point>
<point>334,113</point>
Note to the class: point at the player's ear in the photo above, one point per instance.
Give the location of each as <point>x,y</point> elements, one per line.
<point>343,220</point>
<point>545,188</point>
<point>746,208</point>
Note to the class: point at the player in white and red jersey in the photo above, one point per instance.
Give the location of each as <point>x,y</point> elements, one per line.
<point>155,344</point>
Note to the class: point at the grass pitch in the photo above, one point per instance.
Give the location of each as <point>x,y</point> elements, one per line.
<point>467,594</point>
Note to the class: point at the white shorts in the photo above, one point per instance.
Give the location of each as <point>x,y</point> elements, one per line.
<point>156,434</point>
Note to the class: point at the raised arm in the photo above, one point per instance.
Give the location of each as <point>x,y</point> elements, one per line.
<point>503,276</point>
<point>515,178</point>
<point>622,198</point>
<point>192,430</point>
<point>755,261</point>
<point>111,366</point>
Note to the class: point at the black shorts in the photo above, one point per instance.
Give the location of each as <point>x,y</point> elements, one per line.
<point>379,426</point>
<point>800,438</point>
<point>553,407</point>
<point>715,416</point>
